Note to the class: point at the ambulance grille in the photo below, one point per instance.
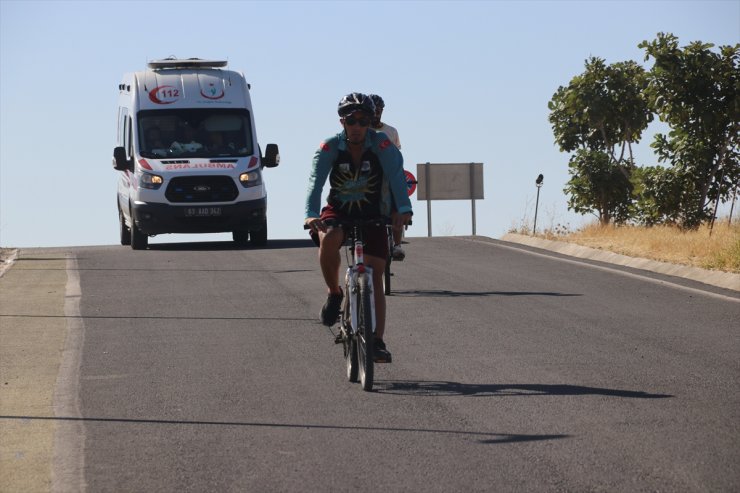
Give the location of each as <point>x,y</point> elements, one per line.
<point>192,189</point>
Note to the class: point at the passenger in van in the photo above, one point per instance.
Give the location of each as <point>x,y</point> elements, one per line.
<point>154,142</point>
<point>187,143</point>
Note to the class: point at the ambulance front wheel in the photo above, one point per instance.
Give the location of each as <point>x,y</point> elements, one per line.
<point>125,231</point>
<point>139,241</point>
<point>241,238</point>
<point>258,237</point>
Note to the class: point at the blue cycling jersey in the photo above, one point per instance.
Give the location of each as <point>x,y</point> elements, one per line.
<point>363,191</point>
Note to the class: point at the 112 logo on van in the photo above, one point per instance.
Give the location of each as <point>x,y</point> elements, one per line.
<point>164,95</point>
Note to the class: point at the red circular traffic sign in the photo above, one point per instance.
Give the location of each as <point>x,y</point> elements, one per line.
<point>410,182</point>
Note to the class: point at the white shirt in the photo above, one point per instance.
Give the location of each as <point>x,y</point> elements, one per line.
<point>391,132</point>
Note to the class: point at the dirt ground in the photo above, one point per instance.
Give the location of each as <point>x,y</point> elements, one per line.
<point>5,254</point>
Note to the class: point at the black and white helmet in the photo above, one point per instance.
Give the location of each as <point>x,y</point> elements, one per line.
<point>379,103</point>
<point>356,101</point>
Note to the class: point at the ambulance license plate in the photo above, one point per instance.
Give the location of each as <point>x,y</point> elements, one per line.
<point>202,211</point>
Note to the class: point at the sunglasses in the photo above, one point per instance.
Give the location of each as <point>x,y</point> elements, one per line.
<point>351,120</point>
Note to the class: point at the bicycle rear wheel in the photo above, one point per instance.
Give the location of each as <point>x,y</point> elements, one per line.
<point>365,337</point>
<point>387,277</point>
<point>387,274</point>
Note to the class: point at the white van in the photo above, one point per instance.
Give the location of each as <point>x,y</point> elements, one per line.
<point>188,154</point>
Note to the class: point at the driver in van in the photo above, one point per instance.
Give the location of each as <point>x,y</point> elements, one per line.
<point>216,143</point>
<point>188,144</point>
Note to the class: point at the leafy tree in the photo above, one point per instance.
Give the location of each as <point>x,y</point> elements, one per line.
<point>599,115</point>
<point>660,192</point>
<point>697,92</point>
<point>599,186</point>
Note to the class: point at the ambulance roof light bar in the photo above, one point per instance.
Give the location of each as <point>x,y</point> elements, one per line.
<point>173,63</point>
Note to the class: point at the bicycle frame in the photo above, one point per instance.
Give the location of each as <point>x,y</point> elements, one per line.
<point>356,268</point>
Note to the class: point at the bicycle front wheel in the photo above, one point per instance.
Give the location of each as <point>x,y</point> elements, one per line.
<point>349,342</point>
<point>365,336</point>
<point>350,357</point>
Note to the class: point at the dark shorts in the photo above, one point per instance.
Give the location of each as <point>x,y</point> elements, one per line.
<point>374,237</point>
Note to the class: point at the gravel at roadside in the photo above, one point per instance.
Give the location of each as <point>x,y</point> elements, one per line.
<point>7,257</point>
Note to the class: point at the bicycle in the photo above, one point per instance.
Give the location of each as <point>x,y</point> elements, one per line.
<point>387,274</point>
<point>357,313</point>
<point>389,259</point>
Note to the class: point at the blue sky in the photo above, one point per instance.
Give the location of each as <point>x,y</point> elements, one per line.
<point>462,81</point>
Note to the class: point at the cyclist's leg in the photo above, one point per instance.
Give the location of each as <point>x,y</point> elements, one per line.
<point>397,250</point>
<point>376,253</point>
<point>397,235</point>
<point>329,257</point>
<point>378,266</point>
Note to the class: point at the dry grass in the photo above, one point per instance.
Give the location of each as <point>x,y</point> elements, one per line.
<point>720,251</point>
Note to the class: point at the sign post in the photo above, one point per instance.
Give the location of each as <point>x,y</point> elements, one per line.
<point>428,189</point>
<point>537,182</point>
<point>450,181</point>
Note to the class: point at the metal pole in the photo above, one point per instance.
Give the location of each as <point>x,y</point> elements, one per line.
<point>536,206</point>
<point>427,171</point>
<point>537,182</point>
<point>472,194</point>
<point>734,196</point>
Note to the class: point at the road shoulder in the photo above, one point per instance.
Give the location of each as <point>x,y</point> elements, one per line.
<point>724,280</point>
<point>33,334</point>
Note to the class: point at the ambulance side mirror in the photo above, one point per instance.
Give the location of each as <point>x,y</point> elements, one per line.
<point>272,156</point>
<point>120,162</point>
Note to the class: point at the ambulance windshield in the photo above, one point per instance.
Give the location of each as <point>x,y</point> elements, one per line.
<point>205,133</point>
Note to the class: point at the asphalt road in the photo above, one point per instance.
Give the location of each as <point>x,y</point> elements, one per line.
<point>202,367</point>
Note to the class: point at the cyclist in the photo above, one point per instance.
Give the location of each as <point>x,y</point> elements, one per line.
<point>362,167</point>
<point>380,126</point>
<point>392,133</point>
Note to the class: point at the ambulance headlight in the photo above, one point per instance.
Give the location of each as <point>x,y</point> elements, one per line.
<point>153,182</point>
<point>251,178</point>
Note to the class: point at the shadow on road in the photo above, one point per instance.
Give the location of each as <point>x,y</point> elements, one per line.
<point>484,437</point>
<point>154,317</point>
<point>412,293</point>
<point>433,389</point>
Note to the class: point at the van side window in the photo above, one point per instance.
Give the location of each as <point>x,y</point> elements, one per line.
<point>129,140</point>
<point>121,137</point>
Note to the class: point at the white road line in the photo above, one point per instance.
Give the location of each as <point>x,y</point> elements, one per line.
<point>69,437</point>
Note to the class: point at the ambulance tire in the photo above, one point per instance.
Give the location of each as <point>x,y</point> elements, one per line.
<point>258,237</point>
<point>125,230</point>
<point>139,241</point>
<point>241,238</point>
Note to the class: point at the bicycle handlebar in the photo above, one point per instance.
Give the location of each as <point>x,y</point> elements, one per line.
<point>377,221</point>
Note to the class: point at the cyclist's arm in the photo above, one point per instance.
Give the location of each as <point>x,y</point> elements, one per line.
<point>320,169</point>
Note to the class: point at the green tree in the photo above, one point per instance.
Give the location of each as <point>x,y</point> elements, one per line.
<point>696,91</point>
<point>599,115</point>
<point>599,186</point>
<point>660,192</point>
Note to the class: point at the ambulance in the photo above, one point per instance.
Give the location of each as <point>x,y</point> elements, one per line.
<point>188,155</point>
